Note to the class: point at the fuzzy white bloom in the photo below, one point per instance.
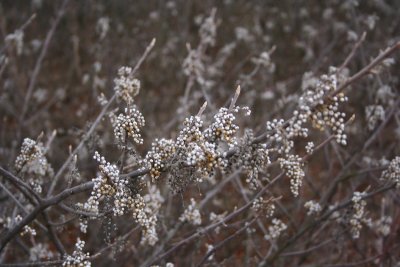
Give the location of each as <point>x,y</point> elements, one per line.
<point>293,167</point>
<point>310,148</point>
<point>32,161</point>
<point>78,257</point>
<point>374,114</point>
<point>126,87</point>
<point>103,26</point>
<point>26,230</point>
<point>128,124</point>
<point>191,214</point>
<point>382,225</point>
<point>39,252</point>
<point>393,172</point>
<point>266,206</point>
<point>358,214</point>
<point>275,230</point>
<point>16,39</point>
<point>312,207</point>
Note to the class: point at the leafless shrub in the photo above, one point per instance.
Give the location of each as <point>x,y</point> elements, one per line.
<point>245,121</point>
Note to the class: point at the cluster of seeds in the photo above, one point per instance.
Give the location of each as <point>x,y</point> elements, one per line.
<point>374,114</point>
<point>27,230</point>
<point>33,162</point>
<point>109,184</point>
<point>392,173</point>
<point>78,257</point>
<point>281,135</point>
<point>312,207</point>
<point>126,87</point>
<point>310,148</point>
<point>293,167</point>
<point>223,128</point>
<point>129,124</point>
<point>358,214</point>
<point>160,153</point>
<point>191,132</point>
<point>196,153</point>
<point>146,218</point>
<point>250,156</point>
<point>191,214</point>
<point>275,230</point>
<point>323,110</point>
<point>265,206</point>
<point>106,184</point>
<point>382,225</point>
<point>330,116</point>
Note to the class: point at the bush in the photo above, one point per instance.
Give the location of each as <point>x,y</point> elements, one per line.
<point>188,133</point>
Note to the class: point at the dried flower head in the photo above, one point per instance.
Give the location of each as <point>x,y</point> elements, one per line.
<point>126,87</point>
<point>191,214</point>
<point>128,124</point>
<point>78,257</point>
<point>392,173</point>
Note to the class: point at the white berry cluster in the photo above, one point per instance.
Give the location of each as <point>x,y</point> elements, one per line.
<point>83,225</point>
<point>312,207</point>
<point>196,153</point>
<point>223,127</point>
<point>374,114</point>
<point>275,230</point>
<point>153,201</point>
<point>26,230</point>
<point>264,59</point>
<point>252,157</point>
<point>105,184</point>
<point>32,161</point>
<point>382,225</point>
<point>78,257</point>
<point>265,206</point>
<point>16,40</point>
<point>160,153</point>
<point>40,251</point>
<point>321,109</point>
<point>205,157</point>
<point>281,134</point>
<point>357,217</point>
<point>126,87</point>
<point>128,124</point>
<point>146,218</point>
<point>293,167</point>
<point>191,214</point>
<point>310,148</point>
<point>193,65</point>
<point>392,173</point>
<point>208,30</point>
<point>191,132</point>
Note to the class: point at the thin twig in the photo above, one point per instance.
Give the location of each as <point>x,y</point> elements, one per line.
<point>95,123</point>
<point>38,65</point>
